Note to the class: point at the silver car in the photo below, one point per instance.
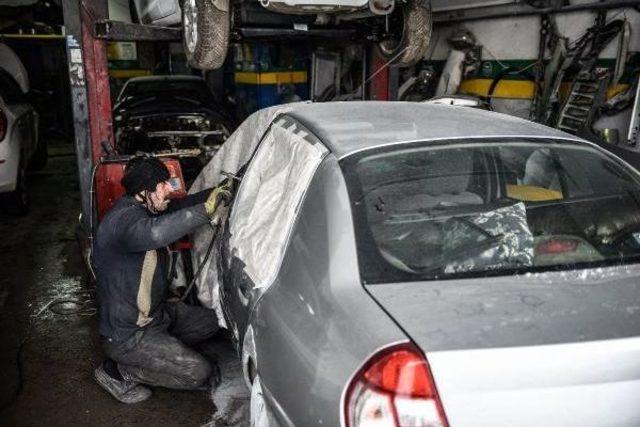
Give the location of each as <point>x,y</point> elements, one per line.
<point>431,265</point>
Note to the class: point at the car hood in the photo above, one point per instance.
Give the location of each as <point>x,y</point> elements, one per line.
<point>155,105</point>
<point>558,348</point>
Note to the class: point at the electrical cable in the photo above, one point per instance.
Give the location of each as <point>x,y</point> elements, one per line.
<point>215,222</point>
<point>83,310</point>
<point>92,192</point>
<point>501,75</point>
<point>82,307</point>
<point>379,70</point>
<point>495,58</point>
<point>202,263</point>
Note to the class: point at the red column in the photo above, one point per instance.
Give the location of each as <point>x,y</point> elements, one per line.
<point>97,77</point>
<point>379,86</point>
<point>98,93</point>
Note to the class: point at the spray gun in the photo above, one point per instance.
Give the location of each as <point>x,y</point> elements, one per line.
<point>232,180</point>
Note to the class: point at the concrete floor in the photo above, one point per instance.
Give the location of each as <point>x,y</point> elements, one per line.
<point>41,261</point>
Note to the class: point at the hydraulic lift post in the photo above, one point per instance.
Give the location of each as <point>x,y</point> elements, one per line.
<point>87,30</point>
<point>89,85</point>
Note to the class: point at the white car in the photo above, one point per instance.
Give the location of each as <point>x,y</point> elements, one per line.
<point>19,148</point>
<point>401,29</point>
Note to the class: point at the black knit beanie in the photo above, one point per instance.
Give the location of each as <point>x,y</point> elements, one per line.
<point>143,173</point>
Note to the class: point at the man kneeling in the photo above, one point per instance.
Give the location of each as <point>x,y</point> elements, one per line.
<point>146,338</point>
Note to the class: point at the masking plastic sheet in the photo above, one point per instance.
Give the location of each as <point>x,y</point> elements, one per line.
<point>260,220</point>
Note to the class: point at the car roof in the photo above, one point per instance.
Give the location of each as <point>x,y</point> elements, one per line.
<point>349,127</point>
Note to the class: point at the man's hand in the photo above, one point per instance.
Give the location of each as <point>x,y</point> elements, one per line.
<point>218,194</point>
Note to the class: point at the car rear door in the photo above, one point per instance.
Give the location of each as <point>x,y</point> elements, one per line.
<point>262,217</point>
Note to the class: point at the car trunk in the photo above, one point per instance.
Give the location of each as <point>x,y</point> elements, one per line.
<point>559,348</point>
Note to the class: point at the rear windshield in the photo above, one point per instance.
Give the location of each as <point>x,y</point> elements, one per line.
<point>488,208</point>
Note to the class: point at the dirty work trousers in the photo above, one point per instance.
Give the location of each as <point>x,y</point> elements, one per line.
<point>160,356</point>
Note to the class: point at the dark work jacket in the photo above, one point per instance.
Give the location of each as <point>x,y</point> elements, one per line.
<point>131,261</point>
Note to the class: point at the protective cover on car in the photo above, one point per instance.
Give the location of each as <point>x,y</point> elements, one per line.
<point>12,64</point>
<point>234,153</point>
<point>265,206</point>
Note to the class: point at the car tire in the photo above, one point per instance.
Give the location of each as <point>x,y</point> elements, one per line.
<point>258,408</point>
<point>412,35</point>
<point>17,202</point>
<point>205,29</point>
<point>40,157</point>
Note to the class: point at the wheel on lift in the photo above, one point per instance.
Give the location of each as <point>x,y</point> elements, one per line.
<point>205,32</point>
<point>409,33</point>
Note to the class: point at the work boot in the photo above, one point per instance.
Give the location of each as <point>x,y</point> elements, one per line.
<point>123,390</point>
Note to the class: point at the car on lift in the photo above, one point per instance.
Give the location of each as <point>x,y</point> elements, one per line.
<point>401,29</point>
<point>20,148</point>
<point>407,264</point>
<point>171,113</point>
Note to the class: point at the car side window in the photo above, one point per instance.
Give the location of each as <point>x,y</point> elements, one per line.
<point>270,195</point>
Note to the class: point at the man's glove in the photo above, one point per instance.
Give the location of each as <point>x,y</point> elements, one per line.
<point>221,193</point>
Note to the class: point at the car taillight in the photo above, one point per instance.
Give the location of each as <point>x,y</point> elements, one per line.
<point>3,124</point>
<point>394,388</point>
<point>556,246</point>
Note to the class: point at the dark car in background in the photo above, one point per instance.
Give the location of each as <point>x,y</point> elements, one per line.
<point>171,114</point>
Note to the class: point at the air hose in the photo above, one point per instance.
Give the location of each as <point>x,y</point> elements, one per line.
<point>202,263</point>
<point>215,222</point>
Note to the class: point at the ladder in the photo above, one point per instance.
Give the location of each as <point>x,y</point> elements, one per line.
<point>584,98</point>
